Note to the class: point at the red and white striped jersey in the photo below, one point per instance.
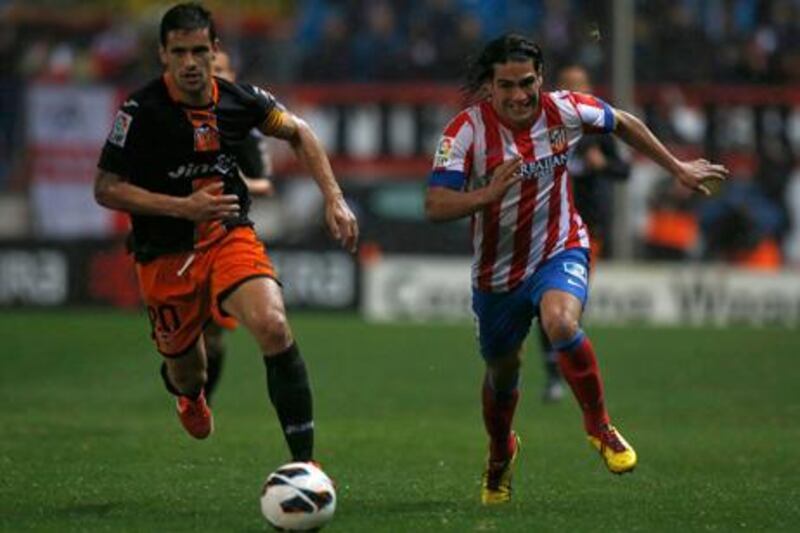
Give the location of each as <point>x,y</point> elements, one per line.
<point>536,219</point>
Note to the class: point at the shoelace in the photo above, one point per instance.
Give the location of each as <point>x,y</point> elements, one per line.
<point>610,439</point>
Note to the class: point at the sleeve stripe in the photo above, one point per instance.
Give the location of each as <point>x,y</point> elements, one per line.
<point>451,179</point>
<point>454,127</point>
<point>273,121</point>
<point>608,118</point>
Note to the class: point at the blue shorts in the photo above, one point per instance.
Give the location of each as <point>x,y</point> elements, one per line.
<point>503,319</point>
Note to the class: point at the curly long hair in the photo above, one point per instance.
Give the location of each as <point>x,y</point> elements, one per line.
<point>508,47</point>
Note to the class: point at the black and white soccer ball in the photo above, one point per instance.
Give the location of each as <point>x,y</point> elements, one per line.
<point>298,497</point>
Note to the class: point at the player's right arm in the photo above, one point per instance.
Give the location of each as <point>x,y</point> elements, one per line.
<point>443,203</point>
<point>114,192</point>
<point>447,197</point>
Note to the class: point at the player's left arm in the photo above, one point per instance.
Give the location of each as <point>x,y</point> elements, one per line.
<point>340,219</point>
<point>692,174</point>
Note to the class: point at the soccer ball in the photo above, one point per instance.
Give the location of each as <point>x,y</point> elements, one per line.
<point>298,497</point>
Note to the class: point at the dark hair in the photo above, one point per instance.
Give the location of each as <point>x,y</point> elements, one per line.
<point>188,17</point>
<point>508,47</point>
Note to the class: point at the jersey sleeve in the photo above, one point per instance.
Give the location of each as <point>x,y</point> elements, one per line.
<point>272,112</point>
<point>595,115</point>
<point>127,131</point>
<point>452,162</point>
<point>253,156</point>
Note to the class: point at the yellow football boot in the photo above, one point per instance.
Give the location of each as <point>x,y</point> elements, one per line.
<point>496,484</point>
<point>619,456</point>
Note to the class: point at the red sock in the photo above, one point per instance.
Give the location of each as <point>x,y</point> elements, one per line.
<point>498,412</point>
<point>579,367</point>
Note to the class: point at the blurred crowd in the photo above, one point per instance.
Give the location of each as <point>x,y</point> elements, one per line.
<point>749,41</point>
<point>752,43</point>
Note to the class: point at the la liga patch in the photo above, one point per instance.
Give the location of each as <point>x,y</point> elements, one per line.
<point>443,152</point>
<point>119,131</point>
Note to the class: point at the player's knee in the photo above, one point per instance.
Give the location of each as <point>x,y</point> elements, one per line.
<point>272,332</point>
<point>507,365</point>
<point>504,372</point>
<point>559,324</point>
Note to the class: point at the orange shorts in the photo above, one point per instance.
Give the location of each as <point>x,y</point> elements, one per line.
<point>183,291</point>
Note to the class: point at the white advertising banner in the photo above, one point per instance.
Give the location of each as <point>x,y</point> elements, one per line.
<point>66,128</point>
<point>417,288</point>
<point>435,288</point>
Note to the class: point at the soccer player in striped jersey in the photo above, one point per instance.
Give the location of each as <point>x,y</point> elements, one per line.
<point>503,162</point>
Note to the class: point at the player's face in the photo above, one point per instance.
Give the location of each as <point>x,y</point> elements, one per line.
<point>514,91</point>
<point>187,57</point>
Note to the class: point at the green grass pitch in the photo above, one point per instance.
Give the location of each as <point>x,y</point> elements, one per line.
<point>89,440</point>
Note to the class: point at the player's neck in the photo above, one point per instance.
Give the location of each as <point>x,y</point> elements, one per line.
<point>200,99</point>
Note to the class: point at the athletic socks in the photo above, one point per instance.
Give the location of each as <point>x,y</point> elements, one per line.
<point>498,413</point>
<point>579,368</point>
<point>215,356</point>
<point>290,393</point>
<point>172,389</point>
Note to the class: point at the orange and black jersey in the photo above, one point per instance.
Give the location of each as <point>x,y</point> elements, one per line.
<point>170,148</point>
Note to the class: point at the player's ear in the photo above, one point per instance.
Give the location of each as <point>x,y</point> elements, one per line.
<point>162,55</point>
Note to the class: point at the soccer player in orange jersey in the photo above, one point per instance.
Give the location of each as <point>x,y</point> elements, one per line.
<point>169,161</point>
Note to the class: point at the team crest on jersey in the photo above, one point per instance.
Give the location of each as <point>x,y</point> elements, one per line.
<point>119,131</point>
<point>558,138</point>
<point>443,152</point>
<point>206,138</point>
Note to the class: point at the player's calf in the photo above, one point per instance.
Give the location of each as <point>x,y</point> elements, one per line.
<point>290,393</point>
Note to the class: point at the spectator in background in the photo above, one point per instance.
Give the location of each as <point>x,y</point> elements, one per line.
<point>792,241</point>
<point>466,42</point>
<point>741,227</point>
<point>736,239</point>
<point>332,58</point>
<point>672,231</point>
<point>595,164</point>
<point>379,46</point>
<point>775,165</point>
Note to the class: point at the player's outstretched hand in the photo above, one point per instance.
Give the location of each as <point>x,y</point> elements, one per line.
<point>342,223</point>
<point>702,175</point>
<point>505,175</point>
<point>207,203</point>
